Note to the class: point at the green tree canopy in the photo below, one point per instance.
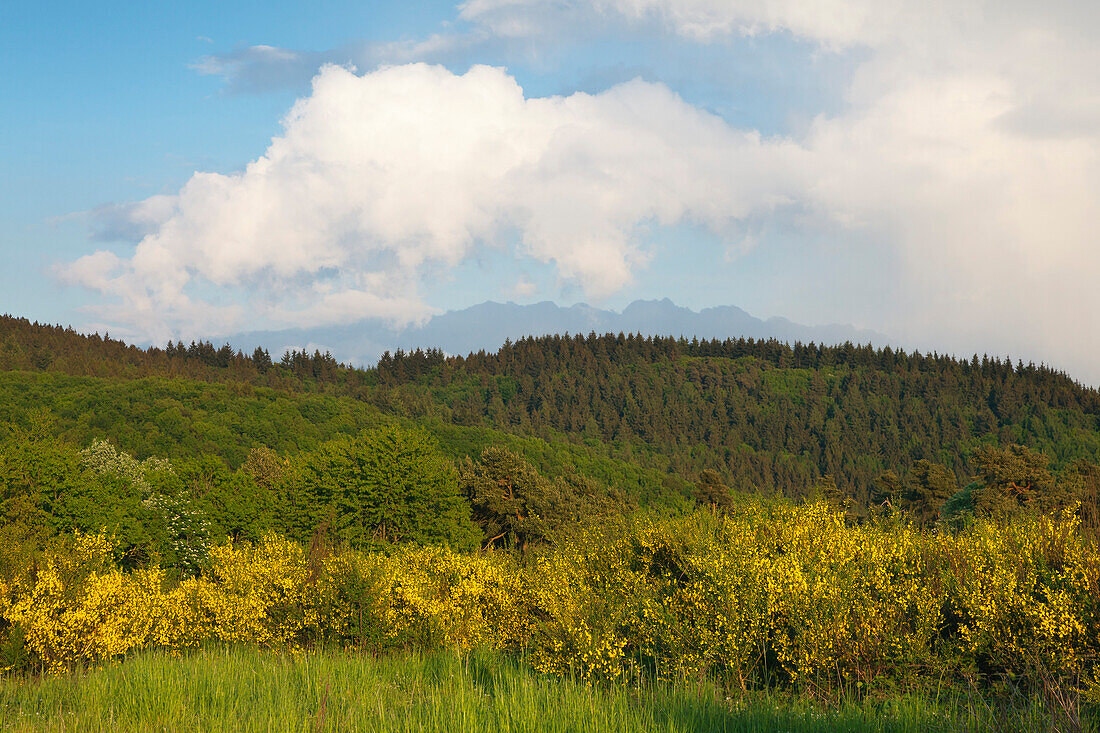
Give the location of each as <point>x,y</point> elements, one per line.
<point>388,485</point>
<point>711,491</point>
<point>922,492</point>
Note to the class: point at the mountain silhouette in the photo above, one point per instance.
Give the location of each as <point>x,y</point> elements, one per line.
<point>487,325</point>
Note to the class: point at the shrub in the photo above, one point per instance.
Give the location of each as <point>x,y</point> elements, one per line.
<point>767,594</point>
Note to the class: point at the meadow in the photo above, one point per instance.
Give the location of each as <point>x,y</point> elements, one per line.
<point>248,689</point>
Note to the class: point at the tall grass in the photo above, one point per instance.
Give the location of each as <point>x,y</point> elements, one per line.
<point>244,689</point>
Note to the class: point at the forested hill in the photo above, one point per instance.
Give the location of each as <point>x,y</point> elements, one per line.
<point>761,415</point>
<point>765,415</point>
<point>27,346</point>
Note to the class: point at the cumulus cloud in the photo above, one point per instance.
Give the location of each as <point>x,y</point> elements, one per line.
<point>383,179</point>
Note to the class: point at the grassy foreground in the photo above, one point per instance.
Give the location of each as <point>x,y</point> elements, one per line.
<point>239,689</point>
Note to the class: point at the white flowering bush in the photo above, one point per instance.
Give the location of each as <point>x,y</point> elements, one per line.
<point>187,530</point>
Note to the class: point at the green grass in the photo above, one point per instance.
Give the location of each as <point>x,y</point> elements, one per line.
<point>249,690</point>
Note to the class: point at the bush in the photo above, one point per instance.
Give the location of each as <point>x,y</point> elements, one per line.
<point>768,594</point>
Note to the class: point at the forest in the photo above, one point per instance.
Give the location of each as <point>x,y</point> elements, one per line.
<point>664,420</point>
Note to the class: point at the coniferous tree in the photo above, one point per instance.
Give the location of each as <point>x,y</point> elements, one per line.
<point>712,492</point>
<point>1011,478</point>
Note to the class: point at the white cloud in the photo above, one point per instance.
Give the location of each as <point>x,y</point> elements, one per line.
<point>382,179</point>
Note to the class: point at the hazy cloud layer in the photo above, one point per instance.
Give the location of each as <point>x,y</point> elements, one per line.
<point>261,67</point>
<point>970,145</point>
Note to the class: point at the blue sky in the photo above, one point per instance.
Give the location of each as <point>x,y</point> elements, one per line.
<point>927,170</point>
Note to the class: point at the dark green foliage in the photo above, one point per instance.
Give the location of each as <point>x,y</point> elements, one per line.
<point>1011,478</point>
<point>46,488</point>
<point>36,472</point>
<point>511,500</point>
<point>641,473</point>
<point>711,492</point>
<point>1082,483</point>
<point>766,416</point>
<point>929,487</point>
<point>514,504</point>
<point>237,503</point>
<point>180,419</point>
<point>921,493</point>
<point>644,414</point>
<point>1016,479</point>
<point>40,347</point>
<point>261,360</point>
<point>959,508</point>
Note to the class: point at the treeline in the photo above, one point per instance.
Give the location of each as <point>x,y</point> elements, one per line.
<point>557,352</point>
<point>760,416</point>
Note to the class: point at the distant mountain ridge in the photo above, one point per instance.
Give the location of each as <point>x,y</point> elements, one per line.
<point>487,326</point>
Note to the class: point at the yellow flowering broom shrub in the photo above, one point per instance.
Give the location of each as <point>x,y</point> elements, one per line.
<point>435,596</point>
<point>1025,595</point>
<point>257,594</point>
<point>847,602</point>
<point>773,593</point>
<point>580,593</point>
<point>788,591</point>
<point>77,607</point>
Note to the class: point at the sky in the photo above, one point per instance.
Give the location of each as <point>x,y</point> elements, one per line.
<point>929,169</point>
